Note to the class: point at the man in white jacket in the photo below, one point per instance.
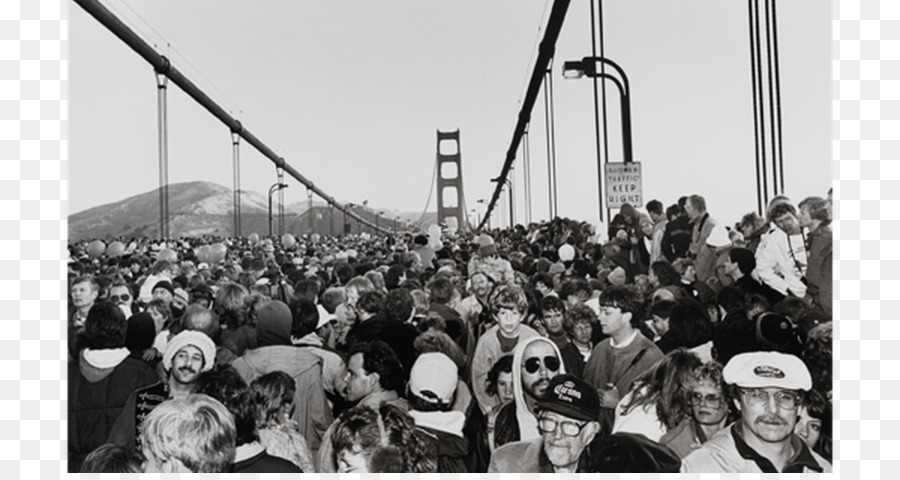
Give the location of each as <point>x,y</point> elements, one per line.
<point>781,256</point>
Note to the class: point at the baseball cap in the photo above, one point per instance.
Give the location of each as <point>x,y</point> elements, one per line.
<point>767,369</point>
<point>570,396</point>
<point>433,378</point>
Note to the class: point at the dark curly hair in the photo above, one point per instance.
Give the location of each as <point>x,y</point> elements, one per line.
<point>578,313</point>
<point>624,299</point>
<point>379,358</point>
<point>105,326</point>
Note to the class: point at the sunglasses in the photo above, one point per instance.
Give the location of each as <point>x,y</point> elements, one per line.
<point>115,298</point>
<point>711,399</point>
<point>533,364</point>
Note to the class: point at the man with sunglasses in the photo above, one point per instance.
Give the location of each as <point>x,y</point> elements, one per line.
<point>567,421</point>
<point>120,294</point>
<point>536,361</point>
<point>768,389</point>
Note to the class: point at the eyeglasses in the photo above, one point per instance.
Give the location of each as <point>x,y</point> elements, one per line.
<point>115,298</point>
<point>783,398</point>
<point>712,399</point>
<point>571,429</point>
<point>533,364</point>
<point>581,326</point>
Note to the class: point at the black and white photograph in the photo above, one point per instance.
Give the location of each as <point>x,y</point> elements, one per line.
<point>410,236</point>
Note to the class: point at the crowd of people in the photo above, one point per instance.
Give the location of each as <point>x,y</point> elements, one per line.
<point>663,342</point>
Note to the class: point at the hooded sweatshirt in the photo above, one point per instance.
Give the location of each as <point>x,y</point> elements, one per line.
<point>311,411</point>
<point>516,422</point>
<point>99,385</point>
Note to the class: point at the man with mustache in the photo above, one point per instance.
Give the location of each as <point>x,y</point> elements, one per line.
<point>187,354</point>
<point>536,361</point>
<point>768,388</point>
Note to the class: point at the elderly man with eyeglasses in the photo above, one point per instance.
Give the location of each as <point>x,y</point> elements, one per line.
<point>768,389</point>
<point>567,421</point>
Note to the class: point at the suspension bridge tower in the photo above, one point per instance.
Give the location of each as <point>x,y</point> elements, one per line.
<point>450,199</point>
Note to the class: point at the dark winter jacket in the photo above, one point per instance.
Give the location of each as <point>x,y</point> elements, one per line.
<point>97,392</point>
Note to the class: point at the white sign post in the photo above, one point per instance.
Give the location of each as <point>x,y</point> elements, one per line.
<point>623,184</point>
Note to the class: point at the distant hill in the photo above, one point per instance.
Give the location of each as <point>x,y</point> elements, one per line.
<point>200,208</point>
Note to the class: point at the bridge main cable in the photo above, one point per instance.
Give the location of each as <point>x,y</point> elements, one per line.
<point>162,66</point>
<point>545,53</point>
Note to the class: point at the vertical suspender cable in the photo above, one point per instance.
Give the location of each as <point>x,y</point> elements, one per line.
<point>526,154</point>
<point>760,101</point>
<point>603,96</point>
<point>760,167</point>
<point>550,179</point>
<point>777,114</point>
<point>236,165</point>
<point>553,142</point>
<point>771,99</point>
<point>161,83</point>
<point>594,80</point>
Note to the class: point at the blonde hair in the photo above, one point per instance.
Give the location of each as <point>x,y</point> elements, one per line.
<point>197,431</point>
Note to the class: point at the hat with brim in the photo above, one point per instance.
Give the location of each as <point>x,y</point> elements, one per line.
<point>572,397</point>
<point>767,370</point>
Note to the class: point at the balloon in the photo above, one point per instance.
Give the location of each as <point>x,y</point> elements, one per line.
<point>168,255</point>
<point>254,238</point>
<point>96,248</point>
<point>217,253</point>
<point>204,254</point>
<point>288,240</point>
<point>115,249</point>
<point>434,236</point>
<point>566,252</point>
<point>315,237</point>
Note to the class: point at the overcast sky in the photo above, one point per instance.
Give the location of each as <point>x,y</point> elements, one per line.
<point>351,94</point>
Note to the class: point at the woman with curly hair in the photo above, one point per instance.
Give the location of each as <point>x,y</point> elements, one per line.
<point>379,441</point>
<point>273,399</point>
<point>658,401</point>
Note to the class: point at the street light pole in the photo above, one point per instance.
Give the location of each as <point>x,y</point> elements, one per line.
<point>272,189</point>
<point>588,66</point>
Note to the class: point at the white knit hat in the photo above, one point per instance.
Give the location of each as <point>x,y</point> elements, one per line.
<point>195,338</point>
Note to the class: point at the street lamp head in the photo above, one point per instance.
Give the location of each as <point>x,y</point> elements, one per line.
<point>573,69</point>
